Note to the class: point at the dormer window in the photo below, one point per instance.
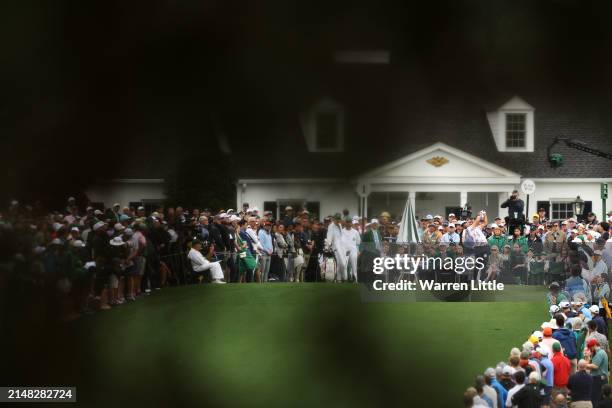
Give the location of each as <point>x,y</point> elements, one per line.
<point>512,126</point>
<point>323,127</point>
<point>516,129</point>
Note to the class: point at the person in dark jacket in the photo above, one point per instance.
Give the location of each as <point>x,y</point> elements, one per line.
<point>514,205</point>
<point>567,339</point>
<point>530,396</point>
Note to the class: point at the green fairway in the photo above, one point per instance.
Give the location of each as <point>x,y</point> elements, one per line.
<point>293,344</point>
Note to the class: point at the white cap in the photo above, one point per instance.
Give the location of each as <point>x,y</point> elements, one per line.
<point>577,240</point>
<point>537,334</point>
<point>78,243</point>
<point>543,351</point>
<point>128,231</point>
<point>374,221</point>
<point>437,216</point>
<point>119,227</point>
<point>116,205</point>
<point>429,217</point>
<point>98,212</point>
<point>234,217</point>
<point>57,226</point>
<point>56,241</point>
<point>74,229</point>
<point>493,226</point>
<point>287,208</point>
<point>564,304</point>
<point>451,215</point>
<point>440,228</point>
<point>594,309</point>
<point>141,208</point>
<point>355,221</point>
<point>98,225</point>
<point>451,225</point>
<point>554,308</point>
<point>117,241</point>
<point>508,370</point>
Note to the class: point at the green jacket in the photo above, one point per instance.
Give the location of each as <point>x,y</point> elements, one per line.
<point>522,241</point>
<point>368,243</point>
<point>499,241</point>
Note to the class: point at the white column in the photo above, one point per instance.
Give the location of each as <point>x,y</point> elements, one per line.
<point>463,197</point>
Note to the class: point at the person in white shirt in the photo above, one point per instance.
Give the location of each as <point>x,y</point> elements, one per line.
<point>252,233</point>
<point>336,242</point>
<point>519,379</point>
<point>200,264</point>
<point>352,240</point>
<point>599,266</point>
<point>450,236</point>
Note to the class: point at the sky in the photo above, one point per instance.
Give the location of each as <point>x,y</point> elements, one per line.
<point>89,85</point>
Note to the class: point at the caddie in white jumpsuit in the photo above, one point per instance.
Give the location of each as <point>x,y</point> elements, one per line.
<point>352,240</point>
<point>335,238</point>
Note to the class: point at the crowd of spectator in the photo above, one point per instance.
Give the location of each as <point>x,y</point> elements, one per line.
<point>565,362</point>
<point>96,258</point>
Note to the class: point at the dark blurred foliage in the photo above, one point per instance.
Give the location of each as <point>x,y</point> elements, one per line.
<point>85,85</point>
<point>203,180</point>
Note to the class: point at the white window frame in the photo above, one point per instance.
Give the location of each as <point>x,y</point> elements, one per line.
<point>566,201</point>
<point>497,122</point>
<point>309,125</point>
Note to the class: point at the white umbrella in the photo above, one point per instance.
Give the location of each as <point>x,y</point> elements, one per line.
<point>408,232</point>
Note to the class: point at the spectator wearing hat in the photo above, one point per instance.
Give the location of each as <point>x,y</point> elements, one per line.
<point>492,380</point>
<point>507,379</point>
<point>555,240</point>
<point>450,236</point>
<point>547,338</point>
<point>514,205</point>
<point>555,295</point>
<point>599,320</point>
<point>431,236</point>
<point>519,382</point>
<point>497,239</point>
<point>371,247</point>
<point>562,367</point>
<point>597,362</point>
<point>288,216</point>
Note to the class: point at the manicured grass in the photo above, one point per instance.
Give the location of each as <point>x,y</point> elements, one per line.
<point>293,345</point>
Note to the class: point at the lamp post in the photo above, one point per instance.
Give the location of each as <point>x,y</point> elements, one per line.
<point>578,207</point>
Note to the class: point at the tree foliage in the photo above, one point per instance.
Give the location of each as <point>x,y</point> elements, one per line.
<point>202,181</point>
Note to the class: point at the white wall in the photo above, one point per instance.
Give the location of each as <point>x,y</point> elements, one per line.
<point>124,193</point>
<point>550,191</point>
<point>332,197</point>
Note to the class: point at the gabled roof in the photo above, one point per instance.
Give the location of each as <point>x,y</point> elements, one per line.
<point>467,164</point>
